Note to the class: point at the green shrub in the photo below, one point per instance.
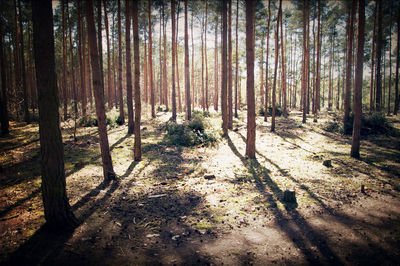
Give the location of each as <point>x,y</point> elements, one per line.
<point>87,121</point>
<point>278,111</point>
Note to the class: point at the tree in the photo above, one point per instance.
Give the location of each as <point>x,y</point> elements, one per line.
<point>266,64</point>
<point>173,61</point>
<point>230,98</point>
<point>396,86</point>
<point>305,59</point>
<point>379,43</point>
<point>187,78</point>
<point>120,95</point>
<point>128,67</point>
<point>224,69</point>
<point>109,80</point>
<point>3,98</point>
<point>57,211</point>
<point>371,90</point>
<point>216,65</point>
<point>237,59</point>
<point>251,114</point>
<point>82,59</point>
<point>350,34</point>
<point>276,68</point>
<point>153,112</point>
<point>64,67</point>
<point>108,170</point>
<point>283,71</point>
<point>318,70</point>
<point>355,145</point>
<point>135,17</point>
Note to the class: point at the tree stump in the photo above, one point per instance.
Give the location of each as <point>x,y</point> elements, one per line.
<point>289,196</point>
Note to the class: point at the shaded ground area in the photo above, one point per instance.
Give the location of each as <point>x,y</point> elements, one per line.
<point>163,211</point>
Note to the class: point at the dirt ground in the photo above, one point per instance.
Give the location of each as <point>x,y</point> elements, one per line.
<point>163,210</point>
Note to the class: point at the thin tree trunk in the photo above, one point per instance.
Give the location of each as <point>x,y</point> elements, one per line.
<point>216,65</point>
<point>379,47</point>
<point>188,115</point>
<point>194,93</point>
<point>230,103</point>
<point>396,82</point>
<point>4,83</point>
<point>173,61</point>
<point>165,76</point>
<point>355,146</point>
<point>160,88</point>
<point>177,62</point>
<point>348,65</point>
<point>145,70</point>
<point>205,52</point>
<point>109,80</point>
<point>305,60</point>
<point>120,94</point>
<point>82,59</point>
<point>128,67</point>
<point>108,170</point>
<point>57,211</point>
<point>262,71</point>
<point>390,67</point>
<point>267,65</point>
<point>251,114</point>
<point>73,85</point>
<point>153,113</point>
<point>276,67</point>
<point>283,72</point>
<point>136,58</point>
<point>371,90</point>
<point>99,40</point>
<point>202,66</point>
<point>318,81</point>
<point>237,59</point>
<point>64,64</point>
<point>224,70</point>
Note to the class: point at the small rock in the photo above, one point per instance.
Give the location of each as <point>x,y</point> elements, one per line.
<point>289,196</point>
<point>175,237</point>
<point>327,163</point>
<point>152,235</point>
<point>209,176</point>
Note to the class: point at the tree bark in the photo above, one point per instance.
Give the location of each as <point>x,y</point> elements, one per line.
<point>82,59</point>
<point>136,58</point>
<point>237,59</point>
<point>251,114</point>
<point>230,97</point>
<point>128,67</point>
<point>266,64</point>
<point>390,67</point>
<point>318,81</point>
<point>109,80</point>
<point>188,115</point>
<point>371,88</point>
<point>276,67</point>
<point>4,82</point>
<point>173,61</point>
<point>216,65</point>
<point>57,211</point>
<point>396,83</point>
<point>305,60</point>
<point>224,70</point>
<point>71,53</point>
<point>64,63</point>
<point>120,94</point>
<point>349,63</point>
<point>153,112</point>
<point>378,99</point>
<point>355,146</point>
<point>205,53</point>
<point>108,170</point>
<point>283,72</point>
<point>99,40</point>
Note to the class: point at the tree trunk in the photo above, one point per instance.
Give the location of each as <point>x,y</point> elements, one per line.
<point>355,146</point>
<point>262,71</point>
<point>371,89</point>
<point>194,93</point>
<point>109,80</point>
<point>64,63</point>
<point>251,114</point>
<point>205,53</point>
<point>216,65</point>
<point>73,85</point>
<point>276,67</point>
<point>108,170</point>
<point>390,66</point>
<point>153,112</point>
<point>188,115</point>
<point>379,47</point>
<point>318,81</point>
<point>177,63</point>
<point>82,59</point>
<point>136,58</point>
<point>230,102</point>
<point>283,72</point>
<point>202,66</point>
<point>99,40</point>
<point>173,61</point>
<point>128,67</point>
<point>120,93</point>
<point>237,59</point>
<point>145,68</point>
<point>165,76</point>
<point>4,82</point>
<point>57,210</point>
<point>396,82</point>
<point>305,60</point>
<point>266,64</point>
<point>224,70</point>
<point>350,33</point>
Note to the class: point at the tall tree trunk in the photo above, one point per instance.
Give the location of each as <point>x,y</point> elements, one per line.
<point>120,93</point>
<point>237,59</point>
<point>216,65</point>
<point>305,60</point>
<point>224,70</point>
<point>173,61</point>
<point>188,115</point>
<point>128,67</point>
<point>136,58</point>
<point>17,62</point>
<point>330,76</point>
<point>57,211</point>
<point>350,33</point>
<point>202,66</point>
<point>73,85</point>
<point>355,146</point>
<point>390,66</point>
<point>276,67</point>
<point>396,82</point>
<point>145,68</point>
<point>379,47</point>
<point>230,102</point>
<point>160,90</point>
<point>4,82</point>
<point>82,59</point>
<point>262,71</point>
<point>318,81</point>
<point>108,170</point>
<point>165,76</point>
<point>266,64</point>
<point>99,40</point>
<point>153,112</point>
<point>109,80</point>
<point>371,89</point>
<point>64,63</point>
<point>283,71</point>
<point>23,71</point>
<point>177,62</point>
<point>251,112</point>
<point>205,52</point>
<point>194,93</point>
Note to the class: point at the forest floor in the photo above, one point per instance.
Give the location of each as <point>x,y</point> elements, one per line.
<point>163,210</point>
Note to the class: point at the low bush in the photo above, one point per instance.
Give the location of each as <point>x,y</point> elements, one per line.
<point>278,111</point>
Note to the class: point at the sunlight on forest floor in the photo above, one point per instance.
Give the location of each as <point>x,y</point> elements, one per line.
<point>164,209</point>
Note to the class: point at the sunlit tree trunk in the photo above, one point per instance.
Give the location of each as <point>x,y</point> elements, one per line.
<point>82,59</point>
<point>188,115</point>
<point>120,94</point>
<point>177,63</point>
<point>230,99</point>
<point>349,63</point>
<point>151,81</point>
<point>379,48</point>
<point>109,80</point>
<point>216,65</point>
<point>283,72</point>
<point>224,70</point>
<point>372,84</point>
<point>355,146</point>
<point>266,64</point>
<point>237,59</point>
<point>251,114</point>
<point>64,63</point>
<point>305,60</point>
<point>205,52</point>
<point>173,61</point>
<point>318,80</point>
<point>276,67</point>
<point>128,67</point>
<point>57,210</point>
<point>136,58</point>
<point>108,170</point>
<point>165,76</point>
